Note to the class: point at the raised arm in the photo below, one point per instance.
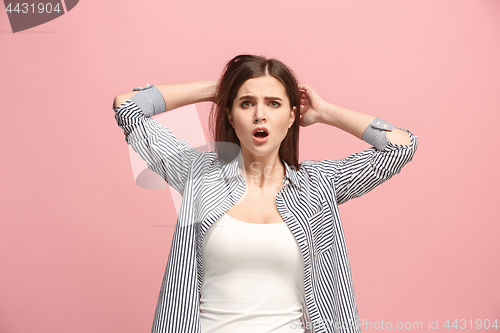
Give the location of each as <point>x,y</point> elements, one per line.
<point>360,172</point>
<point>164,153</point>
<point>347,120</point>
<point>179,94</point>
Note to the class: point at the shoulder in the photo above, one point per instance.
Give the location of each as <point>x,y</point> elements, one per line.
<point>207,159</point>
<point>208,163</point>
<point>313,172</point>
<point>313,168</point>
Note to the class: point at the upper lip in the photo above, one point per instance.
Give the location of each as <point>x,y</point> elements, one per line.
<point>260,128</point>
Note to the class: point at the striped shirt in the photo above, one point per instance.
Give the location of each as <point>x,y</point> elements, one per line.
<point>308,203</point>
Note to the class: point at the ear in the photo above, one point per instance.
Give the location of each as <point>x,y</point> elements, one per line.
<point>229,117</point>
<point>292,115</point>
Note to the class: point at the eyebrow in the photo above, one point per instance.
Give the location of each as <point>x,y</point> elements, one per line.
<point>270,98</point>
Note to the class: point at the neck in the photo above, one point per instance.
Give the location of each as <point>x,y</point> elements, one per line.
<point>263,171</point>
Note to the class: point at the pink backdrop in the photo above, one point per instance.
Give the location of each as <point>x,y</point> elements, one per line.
<point>83,248</point>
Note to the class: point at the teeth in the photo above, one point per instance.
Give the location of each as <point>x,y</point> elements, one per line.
<point>261,132</point>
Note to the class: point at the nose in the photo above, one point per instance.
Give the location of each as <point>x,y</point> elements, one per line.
<point>259,113</point>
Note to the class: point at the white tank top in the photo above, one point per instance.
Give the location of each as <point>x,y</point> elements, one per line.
<point>253,278</point>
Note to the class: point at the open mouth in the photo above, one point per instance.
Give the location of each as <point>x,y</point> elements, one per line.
<point>260,134</point>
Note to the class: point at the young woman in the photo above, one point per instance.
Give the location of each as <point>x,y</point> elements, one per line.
<point>258,245</point>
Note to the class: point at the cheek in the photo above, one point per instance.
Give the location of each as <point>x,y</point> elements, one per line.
<point>285,120</point>
<point>239,127</point>
<point>241,122</point>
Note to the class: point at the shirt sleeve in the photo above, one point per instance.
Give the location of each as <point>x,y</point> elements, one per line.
<point>164,154</point>
<point>361,172</point>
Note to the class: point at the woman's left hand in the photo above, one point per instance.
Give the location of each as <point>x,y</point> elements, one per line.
<point>311,105</point>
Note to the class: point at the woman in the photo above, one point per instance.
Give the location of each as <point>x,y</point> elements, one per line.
<point>258,245</point>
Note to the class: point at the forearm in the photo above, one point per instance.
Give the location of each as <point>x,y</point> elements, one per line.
<point>179,94</point>
<point>356,123</point>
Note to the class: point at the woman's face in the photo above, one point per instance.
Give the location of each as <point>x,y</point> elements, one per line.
<point>261,102</point>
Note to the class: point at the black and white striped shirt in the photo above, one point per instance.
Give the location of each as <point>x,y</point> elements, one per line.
<point>308,203</point>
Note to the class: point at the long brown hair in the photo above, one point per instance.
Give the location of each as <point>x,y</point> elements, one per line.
<point>237,71</point>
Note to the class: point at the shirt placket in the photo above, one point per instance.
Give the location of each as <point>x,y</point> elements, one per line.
<point>300,237</point>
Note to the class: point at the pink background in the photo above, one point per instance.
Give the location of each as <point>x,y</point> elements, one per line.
<point>83,248</point>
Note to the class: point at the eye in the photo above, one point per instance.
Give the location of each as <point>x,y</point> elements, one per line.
<point>275,104</point>
<point>246,104</point>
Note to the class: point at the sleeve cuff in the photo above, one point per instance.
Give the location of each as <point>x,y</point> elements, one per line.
<point>375,133</point>
<point>149,100</point>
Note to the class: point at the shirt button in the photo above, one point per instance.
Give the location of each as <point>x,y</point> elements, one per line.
<point>286,182</point>
<point>288,214</point>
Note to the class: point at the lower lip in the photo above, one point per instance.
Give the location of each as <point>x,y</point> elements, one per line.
<point>260,140</point>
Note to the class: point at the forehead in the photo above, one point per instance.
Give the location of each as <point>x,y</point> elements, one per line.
<point>263,86</point>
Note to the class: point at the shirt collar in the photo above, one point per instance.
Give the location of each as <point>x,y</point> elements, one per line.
<point>231,170</point>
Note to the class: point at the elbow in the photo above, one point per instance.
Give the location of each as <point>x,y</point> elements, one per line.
<point>119,100</point>
<point>400,137</point>
<point>122,98</point>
